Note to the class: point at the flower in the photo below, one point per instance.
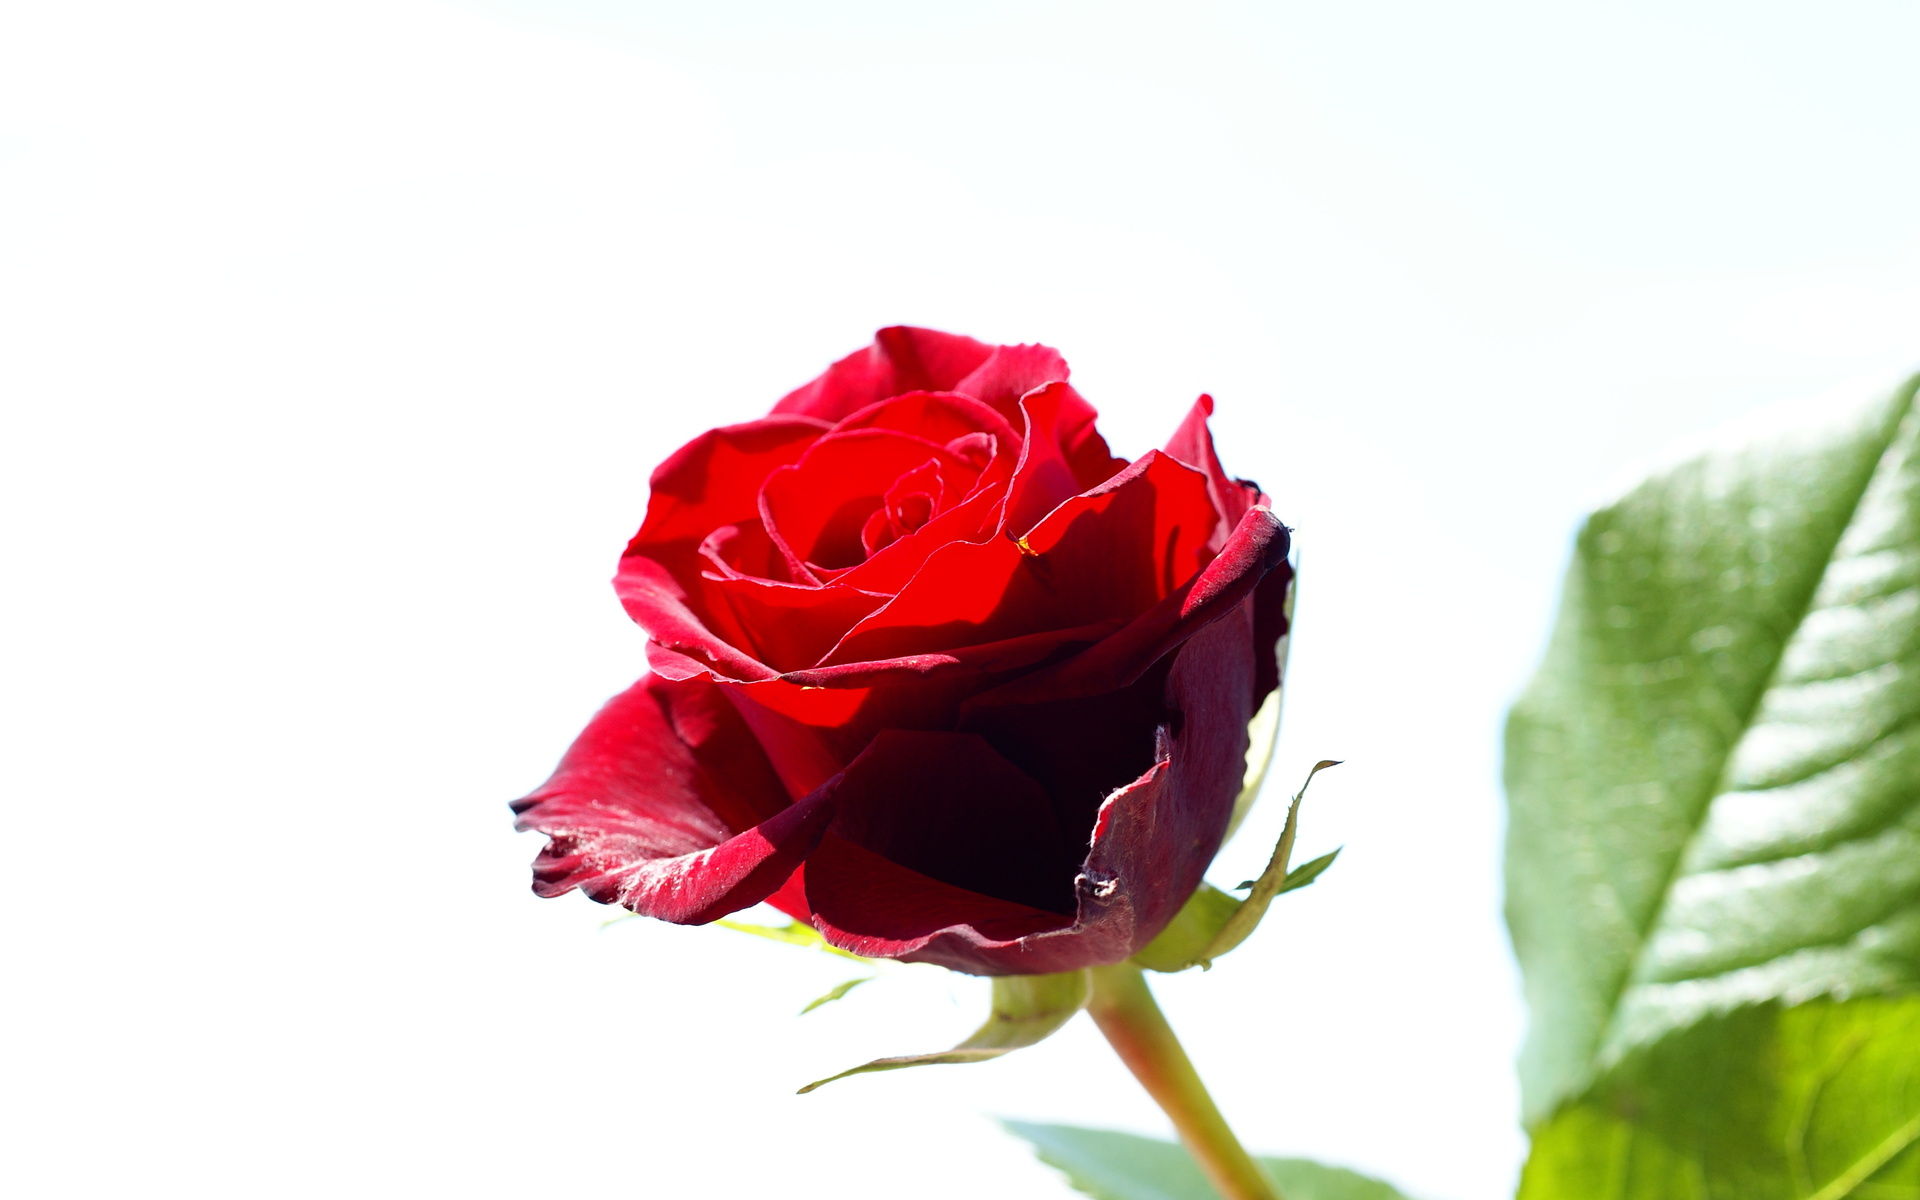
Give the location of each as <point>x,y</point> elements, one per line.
<point>931,670</point>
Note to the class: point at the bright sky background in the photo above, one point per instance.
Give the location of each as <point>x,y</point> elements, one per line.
<point>338,340</point>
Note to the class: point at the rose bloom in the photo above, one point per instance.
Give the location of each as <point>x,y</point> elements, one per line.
<point>932,670</point>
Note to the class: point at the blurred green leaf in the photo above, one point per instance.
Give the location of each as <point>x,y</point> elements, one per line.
<point>836,992</point>
<point>1817,1102</point>
<point>1121,1166</point>
<point>1026,1009</point>
<point>1714,780</point>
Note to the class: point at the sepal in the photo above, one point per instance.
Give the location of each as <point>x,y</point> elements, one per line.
<point>1211,923</point>
<point>1026,1009</point>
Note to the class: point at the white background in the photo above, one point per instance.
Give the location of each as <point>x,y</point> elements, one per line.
<point>337,342</point>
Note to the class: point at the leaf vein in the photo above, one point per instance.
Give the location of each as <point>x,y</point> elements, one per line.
<point>1643,931</point>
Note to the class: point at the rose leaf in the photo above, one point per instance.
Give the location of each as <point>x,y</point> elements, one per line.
<point>1814,1102</point>
<point>1713,781</point>
<point>1121,1166</point>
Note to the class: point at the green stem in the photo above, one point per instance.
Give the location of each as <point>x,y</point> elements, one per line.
<point>1138,1031</point>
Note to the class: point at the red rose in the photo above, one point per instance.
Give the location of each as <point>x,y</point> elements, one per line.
<point>932,670</point>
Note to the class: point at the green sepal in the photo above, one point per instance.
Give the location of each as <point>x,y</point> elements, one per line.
<point>794,933</point>
<point>1301,875</point>
<point>1191,931</point>
<point>836,992</point>
<point>1211,923</point>
<point>1026,1009</point>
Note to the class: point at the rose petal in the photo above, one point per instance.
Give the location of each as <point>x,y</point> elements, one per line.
<point>849,703</point>
<point>1152,839</point>
<point>714,479</point>
<point>658,598</point>
<point>1079,748</point>
<point>744,551</point>
<point>1010,372</point>
<point>866,904</point>
<point>1192,444</point>
<point>1153,842</point>
<point>1133,538</point>
<point>815,507</point>
<point>1111,552</point>
<point>934,417</point>
<point>790,626</point>
<point>666,806</point>
<point>1251,563</point>
<point>947,806</point>
<point>1061,455</point>
<point>901,359</point>
<point>1150,843</point>
<point>1270,627</point>
<point>710,483</point>
<point>974,519</point>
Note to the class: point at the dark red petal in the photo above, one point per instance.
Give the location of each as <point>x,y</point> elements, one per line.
<point>1132,539</point>
<point>1152,839</point>
<point>846,705</point>
<point>947,806</point>
<point>1153,843</point>
<point>666,806</point>
<point>867,904</point>
<point>1192,444</point>
<point>1252,562</point>
<point>1270,622</point>
<point>975,848</point>
<point>901,359</point>
<point>1062,455</point>
<point>1079,748</point>
<point>1020,652</point>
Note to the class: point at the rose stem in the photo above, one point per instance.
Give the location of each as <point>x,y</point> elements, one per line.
<point>1138,1031</point>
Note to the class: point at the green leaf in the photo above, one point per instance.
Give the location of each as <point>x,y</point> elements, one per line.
<point>1714,780</point>
<point>1026,1009</point>
<point>1815,1102</point>
<point>1121,1166</point>
<point>838,991</point>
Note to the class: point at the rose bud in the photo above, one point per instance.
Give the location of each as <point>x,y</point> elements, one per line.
<point>932,670</point>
